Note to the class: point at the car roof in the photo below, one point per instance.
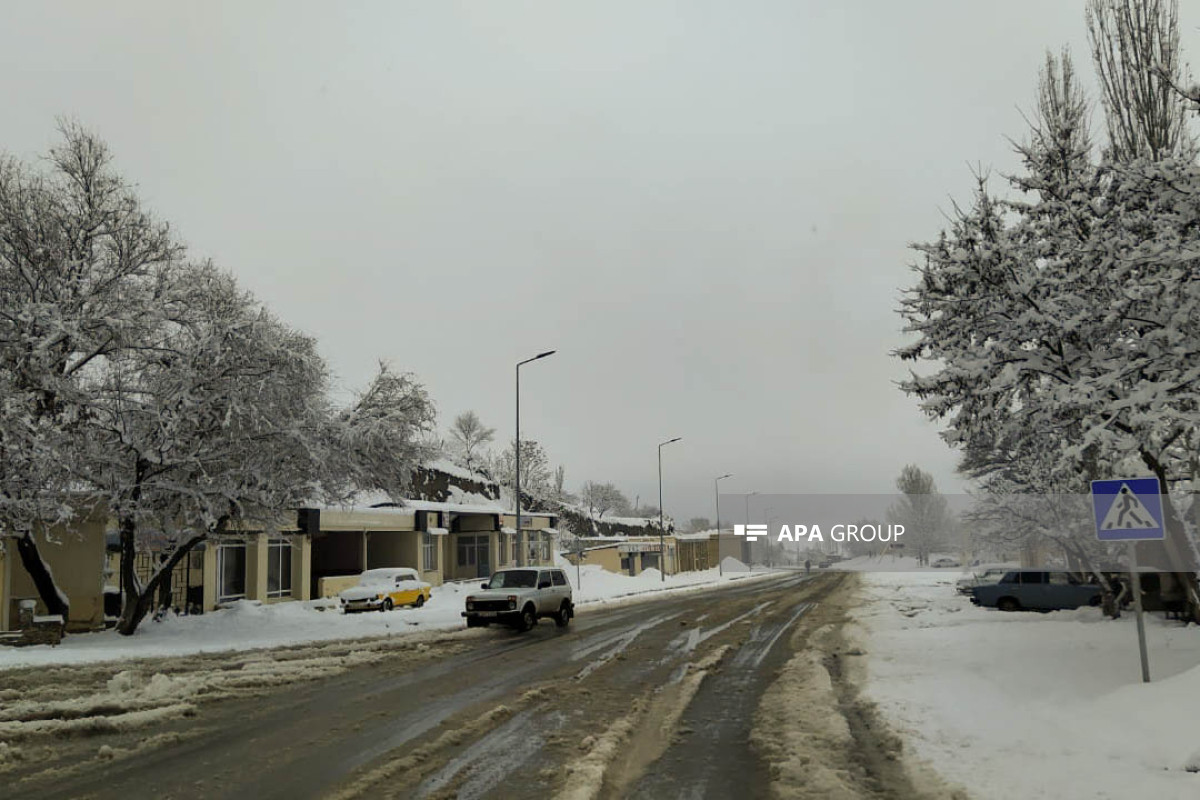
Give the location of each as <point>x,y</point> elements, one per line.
<point>385,572</point>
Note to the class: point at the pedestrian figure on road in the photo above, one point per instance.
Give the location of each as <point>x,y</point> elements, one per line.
<point>807,566</point>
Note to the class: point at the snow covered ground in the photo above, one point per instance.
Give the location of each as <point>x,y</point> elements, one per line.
<point>248,625</point>
<point>1026,704</point>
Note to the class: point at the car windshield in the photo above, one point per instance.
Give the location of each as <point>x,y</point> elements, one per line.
<point>514,579</point>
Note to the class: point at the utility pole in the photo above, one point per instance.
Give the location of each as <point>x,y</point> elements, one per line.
<point>717,494</point>
<point>523,554</point>
<point>662,529</point>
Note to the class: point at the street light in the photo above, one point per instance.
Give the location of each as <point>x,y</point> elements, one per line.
<point>517,454</point>
<point>662,544</point>
<point>717,493</point>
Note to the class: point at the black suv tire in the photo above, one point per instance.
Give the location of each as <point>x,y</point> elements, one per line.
<point>528,619</point>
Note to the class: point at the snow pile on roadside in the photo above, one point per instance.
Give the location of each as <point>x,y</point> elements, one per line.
<point>600,585</point>
<point>895,563</point>
<point>248,625</point>
<point>245,625</point>
<point>1032,705</point>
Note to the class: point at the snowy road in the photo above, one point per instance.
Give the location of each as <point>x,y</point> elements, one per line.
<point>662,698</point>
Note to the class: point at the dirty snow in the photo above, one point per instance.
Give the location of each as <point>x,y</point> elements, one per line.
<point>1031,705</point>
<point>249,625</point>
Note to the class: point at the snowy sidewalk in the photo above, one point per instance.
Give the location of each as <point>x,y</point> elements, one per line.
<point>1032,705</point>
<point>248,625</point>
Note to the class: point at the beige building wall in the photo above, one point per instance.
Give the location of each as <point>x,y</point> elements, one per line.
<point>256,566</point>
<point>301,567</point>
<point>606,558</point>
<point>210,577</point>
<point>76,557</point>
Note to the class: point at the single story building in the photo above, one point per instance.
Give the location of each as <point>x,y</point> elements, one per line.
<point>464,533</point>
<point>627,555</point>
<point>442,541</point>
<point>75,555</point>
<point>697,551</point>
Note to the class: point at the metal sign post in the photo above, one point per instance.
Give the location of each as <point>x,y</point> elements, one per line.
<point>1137,607</point>
<point>1130,510</point>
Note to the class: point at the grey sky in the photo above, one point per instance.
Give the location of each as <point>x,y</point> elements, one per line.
<point>703,206</point>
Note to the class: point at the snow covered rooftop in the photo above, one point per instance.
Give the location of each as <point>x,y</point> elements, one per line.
<point>454,470</point>
<point>454,508</point>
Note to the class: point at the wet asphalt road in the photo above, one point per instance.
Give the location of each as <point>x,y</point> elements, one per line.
<point>673,681</point>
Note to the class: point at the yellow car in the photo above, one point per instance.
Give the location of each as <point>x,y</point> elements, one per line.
<point>384,589</point>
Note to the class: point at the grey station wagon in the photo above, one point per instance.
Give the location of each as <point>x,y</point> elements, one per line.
<point>1037,590</point>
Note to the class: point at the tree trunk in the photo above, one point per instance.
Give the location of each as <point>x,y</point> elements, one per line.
<point>164,596</point>
<point>130,590</point>
<point>31,559</point>
<point>137,607</point>
<point>1176,548</point>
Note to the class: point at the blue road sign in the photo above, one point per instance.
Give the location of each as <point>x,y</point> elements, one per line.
<point>1127,509</point>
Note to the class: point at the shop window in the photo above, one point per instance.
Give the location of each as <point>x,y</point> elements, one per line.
<point>428,551</point>
<point>231,571</point>
<point>279,568</point>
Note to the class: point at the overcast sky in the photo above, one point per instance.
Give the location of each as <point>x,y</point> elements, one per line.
<point>704,207</point>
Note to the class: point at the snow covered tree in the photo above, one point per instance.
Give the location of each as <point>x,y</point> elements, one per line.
<point>536,476</point>
<point>1135,47</point>
<point>158,389</point>
<point>559,490</point>
<point>218,423</point>
<point>469,438</point>
<point>1062,330</point>
<point>224,426</point>
<point>81,266</point>
<point>1058,152</point>
<point>922,511</point>
<point>699,524</point>
<point>378,440</point>
<point>599,499</point>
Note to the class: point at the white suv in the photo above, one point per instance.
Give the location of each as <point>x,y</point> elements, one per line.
<point>519,597</point>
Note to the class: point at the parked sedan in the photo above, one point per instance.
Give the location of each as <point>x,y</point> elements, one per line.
<point>384,589</point>
<point>988,576</point>
<point>1037,590</point>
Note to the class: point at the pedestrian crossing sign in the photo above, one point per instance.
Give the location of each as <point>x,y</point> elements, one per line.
<point>1127,509</point>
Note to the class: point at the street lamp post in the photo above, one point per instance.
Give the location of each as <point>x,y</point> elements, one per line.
<point>717,493</point>
<point>517,458</point>
<point>662,530</point>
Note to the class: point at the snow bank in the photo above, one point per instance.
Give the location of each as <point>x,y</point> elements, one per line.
<point>248,625</point>
<point>1032,705</point>
<point>600,585</point>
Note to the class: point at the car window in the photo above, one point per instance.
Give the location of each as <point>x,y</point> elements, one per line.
<point>559,578</point>
<point>1033,577</point>
<point>514,579</point>
<point>1011,577</point>
<point>1060,579</point>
